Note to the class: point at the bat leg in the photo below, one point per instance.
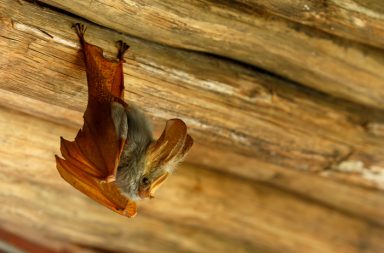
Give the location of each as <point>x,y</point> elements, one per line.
<point>123,47</point>
<point>80,30</point>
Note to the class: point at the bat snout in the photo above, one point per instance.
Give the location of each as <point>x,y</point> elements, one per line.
<point>149,191</point>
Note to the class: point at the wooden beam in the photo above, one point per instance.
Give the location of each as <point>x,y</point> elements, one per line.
<point>357,20</point>
<point>353,201</point>
<point>229,107</point>
<point>199,210</point>
<point>305,41</point>
<point>242,189</point>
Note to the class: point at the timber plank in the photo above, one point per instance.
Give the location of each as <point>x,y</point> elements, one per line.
<point>303,46</point>
<point>198,211</point>
<point>357,20</point>
<point>353,201</point>
<point>227,105</point>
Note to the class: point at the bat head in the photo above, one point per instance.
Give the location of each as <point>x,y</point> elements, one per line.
<point>163,155</point>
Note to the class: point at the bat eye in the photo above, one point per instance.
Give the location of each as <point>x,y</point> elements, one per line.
<point>145,180</point>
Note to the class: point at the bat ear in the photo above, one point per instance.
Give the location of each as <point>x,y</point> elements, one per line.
<point>173,144</point>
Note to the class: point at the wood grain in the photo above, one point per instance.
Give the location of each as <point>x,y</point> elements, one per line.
<point>198,211</point>
<point>365,204</point>
<point>277,167</point>
<point>226,105</point>
<point>358,20</point>
<point>325,45</point>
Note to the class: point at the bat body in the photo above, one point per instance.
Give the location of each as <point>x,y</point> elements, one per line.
<point>133,157</point>
<point>114,158</point>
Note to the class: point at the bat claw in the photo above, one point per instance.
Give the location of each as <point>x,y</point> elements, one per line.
<point>123,47</point>
<point>80,30</point>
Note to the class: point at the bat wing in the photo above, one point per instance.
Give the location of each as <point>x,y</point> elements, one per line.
<point>98,140</point>
<point>91,160</point>
<point>103,192</point>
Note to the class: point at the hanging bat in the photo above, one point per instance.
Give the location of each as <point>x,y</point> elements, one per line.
<point>114,158</point>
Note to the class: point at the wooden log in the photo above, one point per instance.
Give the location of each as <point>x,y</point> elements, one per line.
<point>228,106</point>
<point>198,210</point>
<point>15,241</point>
<point>351,200</point>
<point>357,20</point>
<point>246,198</point>
<point>310,46</point>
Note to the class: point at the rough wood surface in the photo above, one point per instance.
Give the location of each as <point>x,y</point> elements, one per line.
<point>310,42</point>
<point>199,211</point>
<point>365,204</point>
<point>357,20</point>
<point>276,167</point>
<point>228,106</point>
<point>354,201</point>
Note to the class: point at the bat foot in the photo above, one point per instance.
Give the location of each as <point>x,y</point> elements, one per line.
<point>123,47</point>
<point>80,30</point>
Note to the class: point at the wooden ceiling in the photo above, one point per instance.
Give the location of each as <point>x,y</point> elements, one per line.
<point>285,101</point>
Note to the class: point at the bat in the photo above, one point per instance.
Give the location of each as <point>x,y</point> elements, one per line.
<point>114,159</point>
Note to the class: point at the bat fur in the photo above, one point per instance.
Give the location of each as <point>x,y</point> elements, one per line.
<point>130,122</point>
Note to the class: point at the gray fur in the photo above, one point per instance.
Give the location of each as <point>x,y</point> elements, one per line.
<point>119,119</point>
<point>132,160</point>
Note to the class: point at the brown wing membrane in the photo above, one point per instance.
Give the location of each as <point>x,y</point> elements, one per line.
<point>90,162</point>
<point>105,193</point>
<point>98,139</point>
<point>97,143</point>
<point>105,77</point>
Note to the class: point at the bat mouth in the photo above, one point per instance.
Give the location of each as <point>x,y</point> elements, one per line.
<point>157,183</point>
<point>150,191</point>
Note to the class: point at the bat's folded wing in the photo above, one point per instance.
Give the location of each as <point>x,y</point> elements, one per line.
<point>90,162</point>
<point>106,193</point>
